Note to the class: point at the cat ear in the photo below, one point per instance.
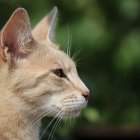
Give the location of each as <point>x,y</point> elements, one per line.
<point>16,36</point>
<point>44,30</point>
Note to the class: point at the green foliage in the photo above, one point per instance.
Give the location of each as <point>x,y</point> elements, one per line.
<point>92,115</point>
<point>128,55</point>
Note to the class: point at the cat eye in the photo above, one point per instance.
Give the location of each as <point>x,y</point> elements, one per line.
<point>59,73</point>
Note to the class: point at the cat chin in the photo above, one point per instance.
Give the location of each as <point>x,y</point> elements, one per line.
<point>71,114</point>
<point>66,113</point>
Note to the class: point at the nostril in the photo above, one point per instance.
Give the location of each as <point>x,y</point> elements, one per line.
<point>86,95</point>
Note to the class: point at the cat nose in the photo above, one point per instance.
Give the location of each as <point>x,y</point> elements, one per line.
<point>86,95</point>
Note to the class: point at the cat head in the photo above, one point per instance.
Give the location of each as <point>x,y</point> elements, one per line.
<point>37,71</point>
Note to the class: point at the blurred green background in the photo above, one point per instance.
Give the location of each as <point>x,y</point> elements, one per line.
<point>107,33</point>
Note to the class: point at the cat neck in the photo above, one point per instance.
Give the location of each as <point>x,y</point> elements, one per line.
<point>14,118</point>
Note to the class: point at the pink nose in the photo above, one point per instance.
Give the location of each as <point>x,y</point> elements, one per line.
<point>86,95</point>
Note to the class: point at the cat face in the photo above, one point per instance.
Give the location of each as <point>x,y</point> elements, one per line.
<point>41,75</point>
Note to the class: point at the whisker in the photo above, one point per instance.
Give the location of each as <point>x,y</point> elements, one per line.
<point>66,45</point>
<point>75,55</point>
<point>55,126</point>
<point>73,118</point>
<point>50,123</point>
<point>69,42</point>
<point>34,121</point>
<point>78,62</point>
<point>34,110</point>
<point>38,119</point>
<point>68,39</point>
<point>70,120</point>
<point>65,121</point>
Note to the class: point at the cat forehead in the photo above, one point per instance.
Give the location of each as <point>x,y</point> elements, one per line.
<point>60,58</point>
<point>52,56</point>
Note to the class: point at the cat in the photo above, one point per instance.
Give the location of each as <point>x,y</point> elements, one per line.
<point>37,79</point>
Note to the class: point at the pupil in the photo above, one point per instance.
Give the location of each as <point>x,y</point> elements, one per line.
<point>59,72</point>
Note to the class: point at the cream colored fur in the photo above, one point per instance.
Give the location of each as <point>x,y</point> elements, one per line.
<point>31,82</point>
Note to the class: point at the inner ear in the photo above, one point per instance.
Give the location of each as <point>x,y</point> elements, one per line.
<point>44,30</point>
<point>16,36</point>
